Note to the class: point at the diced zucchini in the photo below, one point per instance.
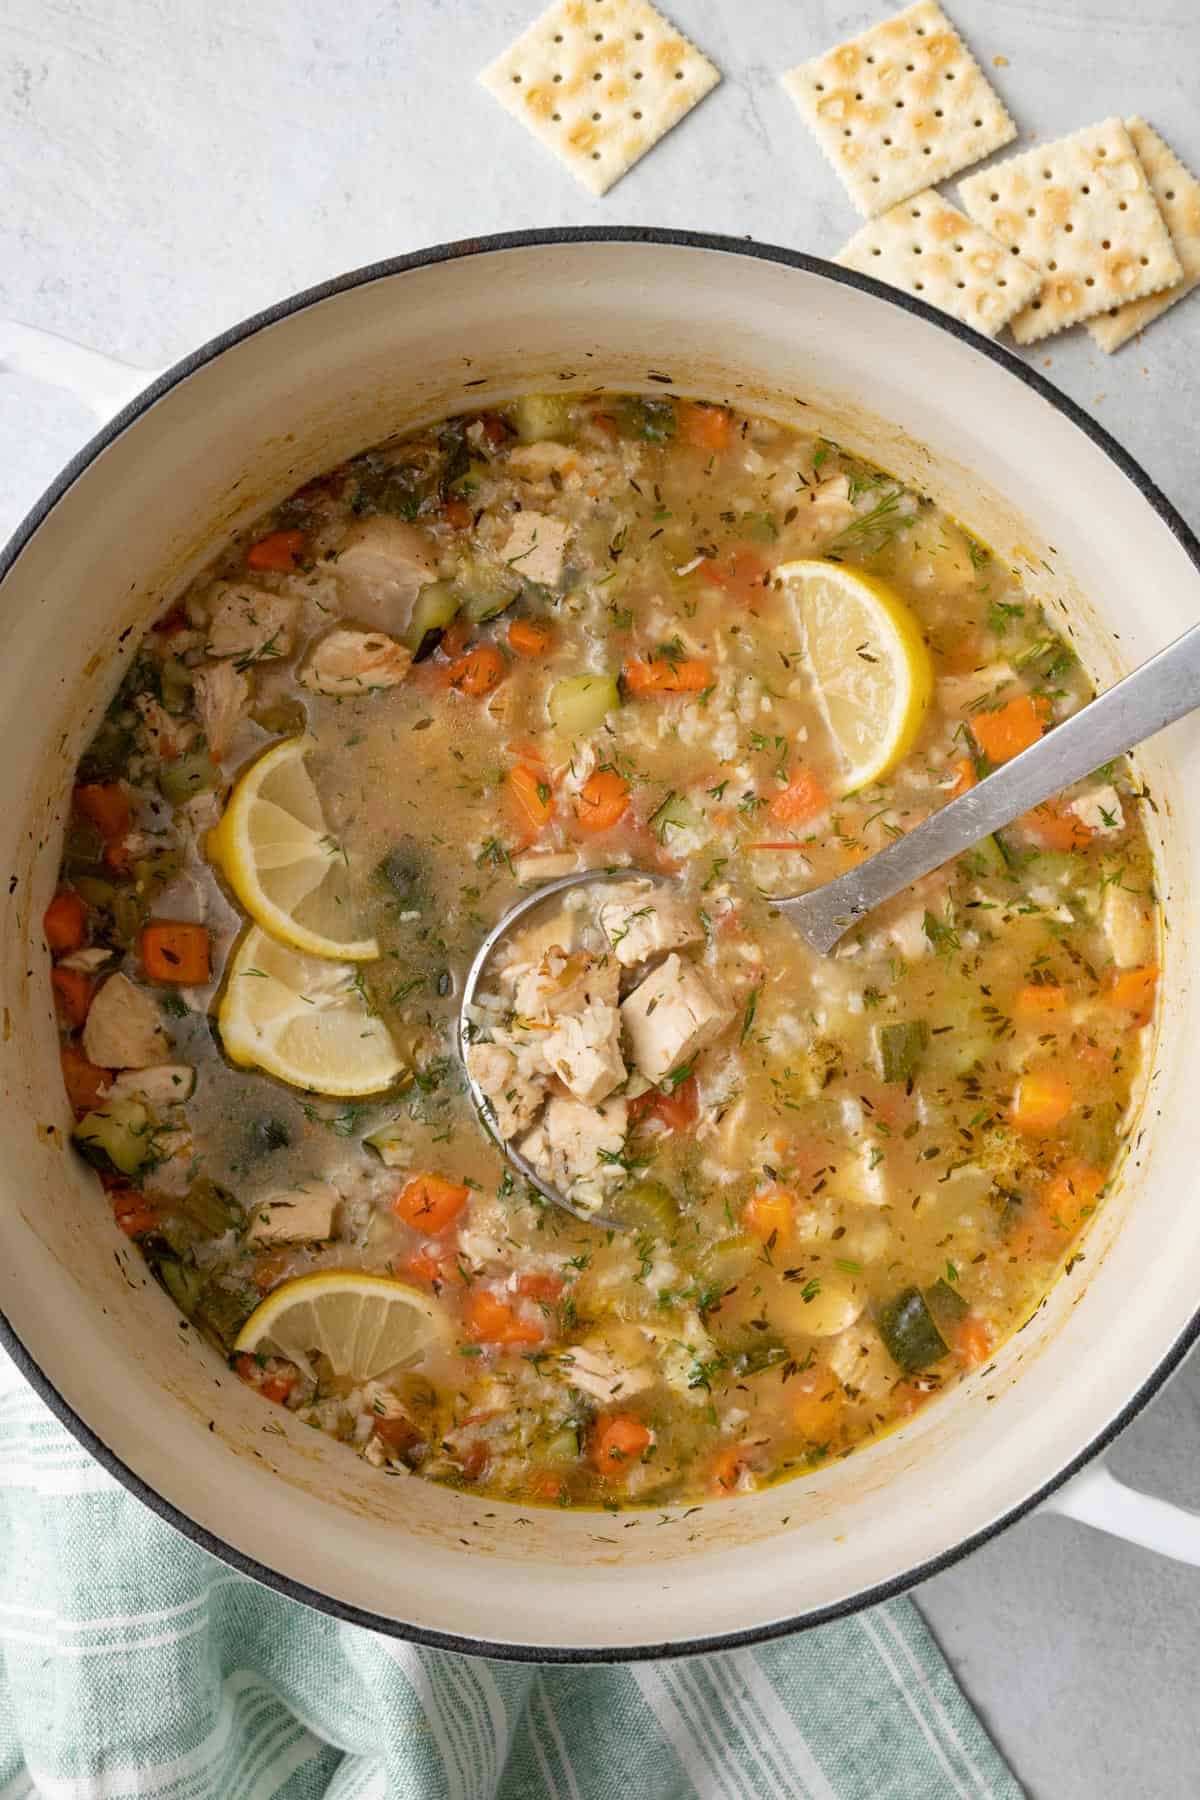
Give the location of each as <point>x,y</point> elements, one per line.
<point>648,416</point>
<point>433,609</point>
<point>901,1048</point>
<point>187,776</point>
<point>182,1282</point>
<point>647,1207</point>
<point>1054,868</point>
<point>1094,1132</point>
<point>391,1143</point>
<point>282,718</point>
<point>98,893</point>
<point>945,1303</point>
<point>176,679</point>
<point>562,1448</point>
<point>537,416</point>
<point>985,858</point>
<point>910,1336</point>
<point>579,704</point>
<point>486,589</point>
<point>119,1134</point>
<point>155,872</point>
<point>675,814</point>
<point>220,1312</point>
<point>472,478</point>
<point>730,1257</point>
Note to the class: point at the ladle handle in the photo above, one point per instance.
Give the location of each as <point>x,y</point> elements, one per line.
<point>1162,690</point>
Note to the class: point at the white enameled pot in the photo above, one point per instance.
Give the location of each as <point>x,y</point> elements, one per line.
<point>234,428</point>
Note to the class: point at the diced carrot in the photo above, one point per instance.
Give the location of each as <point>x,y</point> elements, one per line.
<point>1055,827</point>
<point>1132,991</point>
<point>528,637</point>
<point>278,1385</point>
<point>457,514</point>
<point>602,801</point>
<point>106,805</point>
<point>540,1284</point>
<point>133,1212</point>
<point>728,1466</point>
<point>802,799</point>
<point>545,1485</point>
<point>83,1080</point>
<point>677,1110</point>
<point>908,1398</point>
<point>492,1321</point>
<point>395,1430</point>
<point>530,798</point>
<point>494,429</point>
<point>618,1440</point>
<point>815,1399</point>
<point>972,1341</point>
<point>455,639</point>
<point>436,1266</point>
<point>769,1212</point>
<point>964,654</point>
<point>741,573</point>
<point>175,952</point>
<point>171,622</point>
<point>660,675</point>
<point>64,921</point>
<point>704,427</point>
<point>1042,1101</point>
<point>430,1203</point>
<point>117,856</point>
<point>605,422</point>
<point>277,551</point>
<point>1003,734</point>
<point>964,776</point>
<point>1071,1196</point>
<point>72,995</point>
<point>269,1271</point>
<point>478,672</point>
<point>1039,999</point>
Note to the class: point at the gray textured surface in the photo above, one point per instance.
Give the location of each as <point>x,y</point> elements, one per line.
<point>169,167</point>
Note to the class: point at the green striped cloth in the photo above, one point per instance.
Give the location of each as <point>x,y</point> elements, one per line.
<point>132,1663</point>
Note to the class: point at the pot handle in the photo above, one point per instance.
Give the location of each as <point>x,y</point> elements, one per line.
<point>101,383</point>
<point>1095,1497</point>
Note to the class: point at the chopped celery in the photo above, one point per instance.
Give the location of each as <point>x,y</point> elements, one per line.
<point>646,1206</point>
<point>433,609</point>
<point>176,680</point>
<point>579,704</point>
<point>180,780</point>
<point>119,1134</point>
<point>675,814</point>
<point>909,1334</point>
<point>901,1048</point>
<point>537,416</point>
<point>563,1447</point>
<point>646,416</point>
<point>182,1282</point>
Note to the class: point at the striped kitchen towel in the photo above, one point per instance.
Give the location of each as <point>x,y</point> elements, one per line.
<point>134,1664</point>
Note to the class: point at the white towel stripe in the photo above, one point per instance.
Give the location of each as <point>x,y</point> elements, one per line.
<point>922,1685</point>
<point>456,1724</point>
<point>870,1631</point>
<point>735,1747</point>
<point>551,1787</point>
<point>676,1729</point>
<point>416,1666</point>
<point>557,1736</point>
<point>794,1747</point>
<point>707,1742</point>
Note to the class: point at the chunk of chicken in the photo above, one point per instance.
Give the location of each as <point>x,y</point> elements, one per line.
<point>584,1051</point>
<point>355,662</point>
<point>123,1030</point>
<point>670,1016</point>
<point>1127,919</point>
<point>167,736</point>
<point>223,695</point>
<point>546,865</point>
<point>562,983</point>
<point>596,1368</point>
<point>296,1215</point>
<point>513,1096</point>
<point>166,1084</point>
<point>534,548</point>
<point>1099,808</point>
<point>251,624</point>
<point>639,919</point>
<point>381,567</point>
<point>821,1307</point>
<point>575,1147</point>
<point>860,1362</point>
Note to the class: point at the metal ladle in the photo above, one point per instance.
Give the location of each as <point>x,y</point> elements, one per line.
<point>1164,689</point>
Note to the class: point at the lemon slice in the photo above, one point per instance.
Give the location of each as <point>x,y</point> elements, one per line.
<point>872,670</point>
<point>303,1019</point>
<point>364,1324</point>
<point>274,849</point>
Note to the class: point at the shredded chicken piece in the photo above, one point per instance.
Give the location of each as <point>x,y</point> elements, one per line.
<point>355,662</point>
